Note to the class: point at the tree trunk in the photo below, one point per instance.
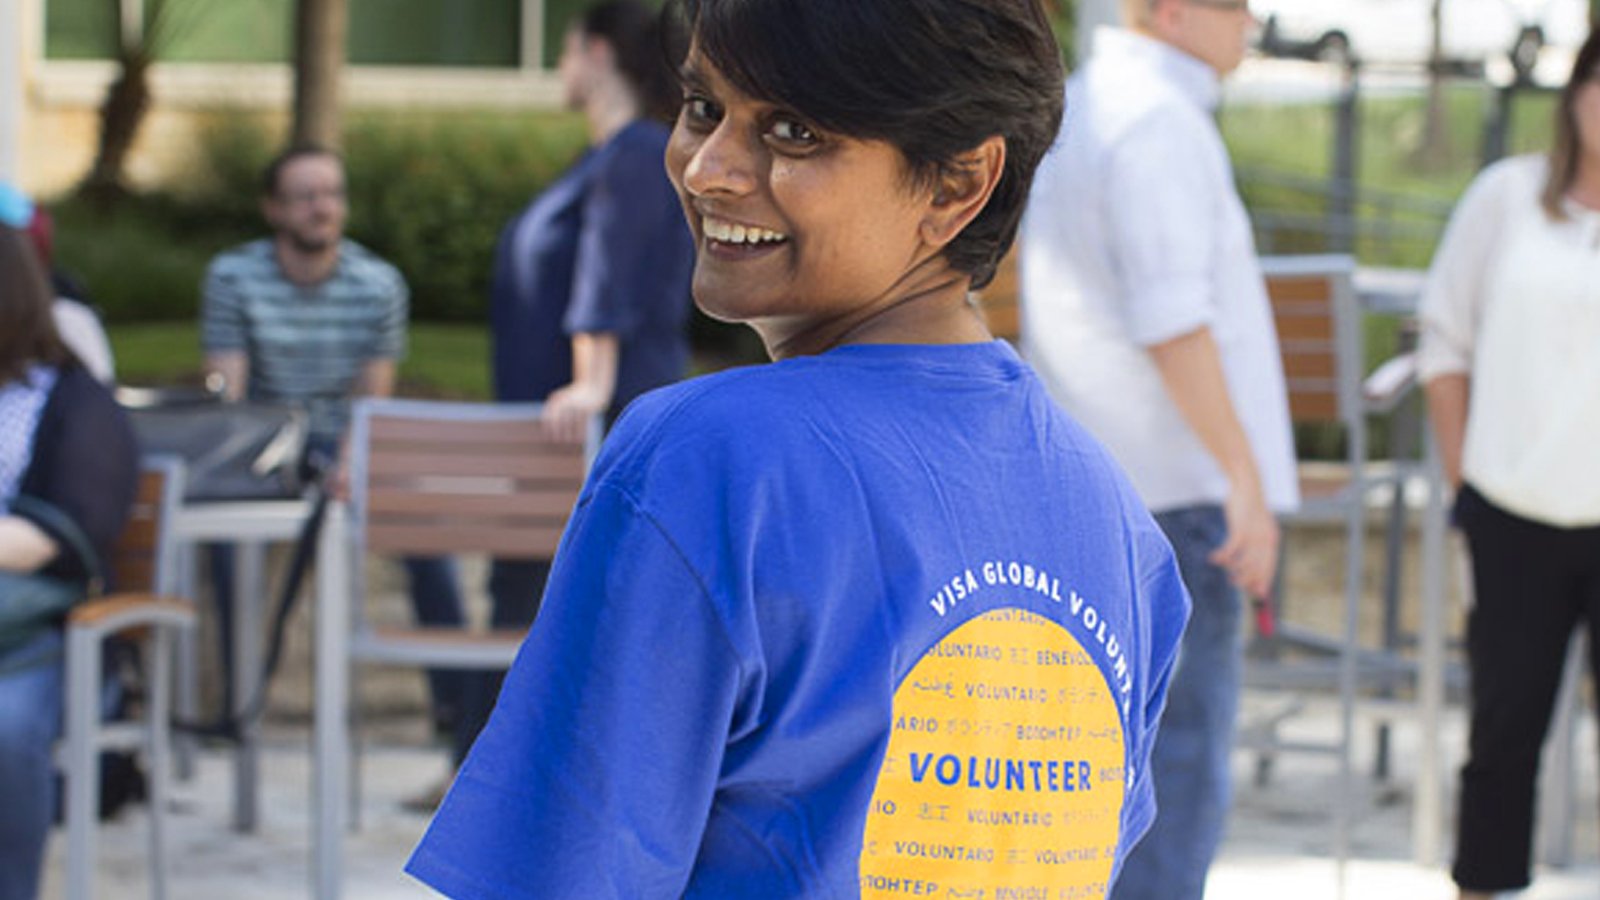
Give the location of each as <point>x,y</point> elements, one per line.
<point>320,27</point>
<point>123,110</point>
<point>1435,146</point>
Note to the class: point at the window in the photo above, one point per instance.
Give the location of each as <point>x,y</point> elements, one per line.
<point>471,33</point>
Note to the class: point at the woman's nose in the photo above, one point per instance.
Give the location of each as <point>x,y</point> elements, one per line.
<point>722,162</point>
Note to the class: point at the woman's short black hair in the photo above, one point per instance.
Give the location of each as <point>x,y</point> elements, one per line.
<point>935,78</point>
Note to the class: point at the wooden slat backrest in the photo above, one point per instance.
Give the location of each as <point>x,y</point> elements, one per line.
<point>434,486</point>
<point>1303,308</point>
<point>133,558</point>
<point>1000,299</point>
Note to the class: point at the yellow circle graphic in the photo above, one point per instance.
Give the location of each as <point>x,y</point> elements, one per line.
<point>1004,776</point>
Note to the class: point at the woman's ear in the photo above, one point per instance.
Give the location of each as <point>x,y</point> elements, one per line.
<point>963,189</point>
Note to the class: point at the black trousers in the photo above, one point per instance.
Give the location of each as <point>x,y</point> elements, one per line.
<point>1533,585</point>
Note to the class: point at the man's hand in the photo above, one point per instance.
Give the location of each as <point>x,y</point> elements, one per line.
<point>1250,552</point>
<point>1191,368</point>
<point>568,410</point>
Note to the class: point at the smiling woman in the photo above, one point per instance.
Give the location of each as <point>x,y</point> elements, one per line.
<point>771,567</point>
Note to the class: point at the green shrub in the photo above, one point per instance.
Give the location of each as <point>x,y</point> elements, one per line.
<point>428,191</point>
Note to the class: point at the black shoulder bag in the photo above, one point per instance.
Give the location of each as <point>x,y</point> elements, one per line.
<point>31,603</point>
<point>231,451</point>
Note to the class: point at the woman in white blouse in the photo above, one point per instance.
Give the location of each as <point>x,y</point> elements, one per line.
<point>1511,359</point>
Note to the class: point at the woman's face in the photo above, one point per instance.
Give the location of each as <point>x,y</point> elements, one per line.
<point>802,234</point>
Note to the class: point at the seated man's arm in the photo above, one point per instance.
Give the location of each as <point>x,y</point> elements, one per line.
<point>378,377</point>
<point>232,368</point>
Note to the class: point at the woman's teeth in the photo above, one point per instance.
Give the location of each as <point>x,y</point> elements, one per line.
<point>731,233</point>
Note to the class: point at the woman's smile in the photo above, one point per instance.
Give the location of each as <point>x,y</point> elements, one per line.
<point>731,241</point>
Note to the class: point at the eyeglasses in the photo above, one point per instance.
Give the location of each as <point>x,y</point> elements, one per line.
<point>307,198</point>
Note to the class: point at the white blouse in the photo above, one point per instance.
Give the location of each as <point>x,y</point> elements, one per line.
<point>1513,301</point>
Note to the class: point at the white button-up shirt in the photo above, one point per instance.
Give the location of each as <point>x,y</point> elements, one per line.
<point>1513,301</point>
<point>1135,235</point>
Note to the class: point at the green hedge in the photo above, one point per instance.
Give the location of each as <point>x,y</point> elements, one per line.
<point>428,191</point>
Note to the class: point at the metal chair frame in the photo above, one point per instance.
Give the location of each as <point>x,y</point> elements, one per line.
<point>438,478</point>
<point>145,568</point>
<point>1320,330</point>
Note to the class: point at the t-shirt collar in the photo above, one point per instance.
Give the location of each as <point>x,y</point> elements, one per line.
<point>1192,77</point>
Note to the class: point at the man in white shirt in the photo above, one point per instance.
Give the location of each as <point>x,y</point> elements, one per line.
<point>1145,311</point>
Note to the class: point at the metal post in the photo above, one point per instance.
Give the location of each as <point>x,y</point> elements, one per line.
<point>329,800</point>
<point>1497,125</point>
<point>1342,200</point>
<point>532,34</point>
<point>12,96</point>
<point>83,760</point>
<point>1427,815</point>
<point>247,629</point>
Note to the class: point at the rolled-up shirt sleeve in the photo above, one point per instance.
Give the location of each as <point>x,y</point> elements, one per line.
<point>1452,298</point>
<point>1159,197</point>
<point>223,324</point>
<point>391,335</point>
<point>619,247</point>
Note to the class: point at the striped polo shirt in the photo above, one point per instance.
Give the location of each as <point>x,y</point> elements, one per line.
<point>306,344</point>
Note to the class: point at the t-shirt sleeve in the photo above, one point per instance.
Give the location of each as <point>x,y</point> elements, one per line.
<point>396,300</point>
<point>613,275</point>
<point>223,323</point>
<point>1160,206</point>
<point>1166,602</point>
<point>595,774</point>
<point>1453,296</point>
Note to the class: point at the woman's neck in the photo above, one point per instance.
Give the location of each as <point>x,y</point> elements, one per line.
<point>931,306</point>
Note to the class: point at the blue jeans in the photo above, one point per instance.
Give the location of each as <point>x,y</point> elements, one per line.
<point>515,588</point>
<point>1191,757</point>
<point>30,720</point>
<point>436,600</point>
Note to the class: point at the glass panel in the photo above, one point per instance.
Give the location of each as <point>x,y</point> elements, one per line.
<point>382,32</point>
<point>80,29</point>
<point>435,32</point>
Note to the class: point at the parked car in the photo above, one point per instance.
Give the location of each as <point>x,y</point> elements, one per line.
<point>1476,32</point>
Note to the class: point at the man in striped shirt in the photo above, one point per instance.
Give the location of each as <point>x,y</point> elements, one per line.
<point>305,316</point>
<point>311,318</point>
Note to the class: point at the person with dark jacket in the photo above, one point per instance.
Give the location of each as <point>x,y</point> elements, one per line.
<point>66,444</point>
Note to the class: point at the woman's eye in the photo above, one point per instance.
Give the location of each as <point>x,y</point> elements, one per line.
<point>790,131</point>
<point>700,109</point>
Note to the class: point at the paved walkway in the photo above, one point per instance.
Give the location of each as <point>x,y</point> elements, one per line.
<point>1279,844</point>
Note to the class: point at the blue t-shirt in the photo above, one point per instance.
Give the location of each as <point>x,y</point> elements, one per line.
<point>879,622</point>
<point>603,249</point>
